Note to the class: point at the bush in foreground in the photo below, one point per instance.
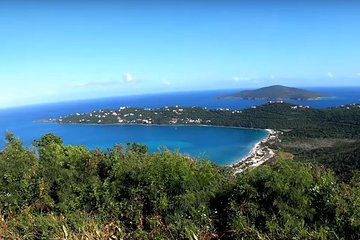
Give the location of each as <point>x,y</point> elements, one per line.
<point>70,192</point>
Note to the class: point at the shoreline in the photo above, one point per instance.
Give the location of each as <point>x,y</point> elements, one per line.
<point>150,125</point>
<point>258,155</point>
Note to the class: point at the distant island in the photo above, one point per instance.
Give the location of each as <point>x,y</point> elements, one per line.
<point>275,92</point>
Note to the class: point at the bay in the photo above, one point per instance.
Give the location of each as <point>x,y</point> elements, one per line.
<point>220,145</point>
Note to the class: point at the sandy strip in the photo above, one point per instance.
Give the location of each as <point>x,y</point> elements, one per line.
<point>258,155</point>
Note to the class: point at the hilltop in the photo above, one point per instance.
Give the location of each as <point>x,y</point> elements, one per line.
<point>275,92</point>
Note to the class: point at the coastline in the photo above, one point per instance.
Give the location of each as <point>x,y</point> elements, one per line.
<point>150,125</point>
<point>258,155</point>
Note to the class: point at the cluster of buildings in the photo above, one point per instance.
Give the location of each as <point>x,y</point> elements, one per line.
<point>299,107</point>
<point>350,106</point>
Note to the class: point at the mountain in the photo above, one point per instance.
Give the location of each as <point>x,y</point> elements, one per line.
<point>276,92</point>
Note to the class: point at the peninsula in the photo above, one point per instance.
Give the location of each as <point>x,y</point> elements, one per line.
<point>294,120</point>
<point>276,92</point>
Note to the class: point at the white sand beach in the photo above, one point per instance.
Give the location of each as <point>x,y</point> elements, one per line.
<point>258,155</point>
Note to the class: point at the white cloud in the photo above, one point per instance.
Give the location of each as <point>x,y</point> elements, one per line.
<point>128,77</point>
<point>330,75</point>
<point>166,82</point>
<point>240,79</point>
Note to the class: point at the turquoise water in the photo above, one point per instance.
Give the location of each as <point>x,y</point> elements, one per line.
<point>220,145</point>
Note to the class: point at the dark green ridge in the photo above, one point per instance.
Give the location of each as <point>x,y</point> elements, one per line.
<point>276,92</point>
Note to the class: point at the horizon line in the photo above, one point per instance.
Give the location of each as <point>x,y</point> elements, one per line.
<point>156,93</point>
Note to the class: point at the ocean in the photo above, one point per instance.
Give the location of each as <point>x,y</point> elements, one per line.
<point>220,145</point>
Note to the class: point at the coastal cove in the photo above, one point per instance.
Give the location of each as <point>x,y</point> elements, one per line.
<point>221,145</point>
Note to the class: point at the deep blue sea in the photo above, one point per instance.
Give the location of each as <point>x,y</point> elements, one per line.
<point>220,145</point>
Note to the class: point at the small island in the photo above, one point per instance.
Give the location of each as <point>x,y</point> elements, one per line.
<point>276,92</point>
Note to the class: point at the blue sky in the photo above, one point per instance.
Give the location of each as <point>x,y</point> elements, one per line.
<point>64,50</point>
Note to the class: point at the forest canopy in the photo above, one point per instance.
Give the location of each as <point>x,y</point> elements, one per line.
<point>52,190</point>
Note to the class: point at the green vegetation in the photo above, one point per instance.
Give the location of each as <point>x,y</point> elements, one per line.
<point>276,92</point>
<point>341,157</point>
<point>55,191</point>
<point>294,121</point>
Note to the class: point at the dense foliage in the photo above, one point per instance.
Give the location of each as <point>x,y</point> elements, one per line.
<point>56,191</point>
<point>343,158</point>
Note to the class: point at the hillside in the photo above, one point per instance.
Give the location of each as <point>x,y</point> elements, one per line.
<point>276,92</point>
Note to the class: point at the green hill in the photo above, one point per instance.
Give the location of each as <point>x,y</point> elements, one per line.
<point>276,92</point>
